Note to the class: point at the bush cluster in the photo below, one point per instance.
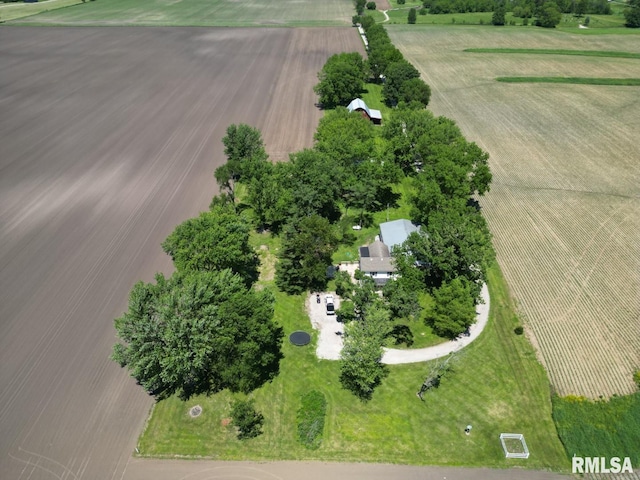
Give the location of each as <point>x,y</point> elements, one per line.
<point>313,406</point>
<point>246,419</point>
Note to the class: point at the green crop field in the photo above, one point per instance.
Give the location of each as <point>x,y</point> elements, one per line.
<point>200,13</point>
<point>565,197</point>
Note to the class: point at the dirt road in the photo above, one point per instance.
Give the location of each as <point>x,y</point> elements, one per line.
<point>110,137</point>
<point>175,470</point>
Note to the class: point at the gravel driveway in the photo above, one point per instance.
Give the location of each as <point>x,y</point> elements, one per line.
<point>329,341</point>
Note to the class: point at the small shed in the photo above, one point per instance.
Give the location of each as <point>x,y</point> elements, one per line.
<point>358,105</point>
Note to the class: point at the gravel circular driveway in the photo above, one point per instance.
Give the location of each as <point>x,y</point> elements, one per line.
<point>331,332</point>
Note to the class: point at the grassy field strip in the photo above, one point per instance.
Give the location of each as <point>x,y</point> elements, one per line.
<point>11,11</point>
<point>549,51</point>
<point>565,194</point>
<point>627,82</point>
<point>200,13</point>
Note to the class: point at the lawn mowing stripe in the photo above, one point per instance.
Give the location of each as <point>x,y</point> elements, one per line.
<point>553,51</point>
<point>626,82</point>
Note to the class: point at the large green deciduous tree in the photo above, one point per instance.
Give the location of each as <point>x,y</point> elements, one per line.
<point>454,310</point>
<point>341,79</point>
<point>345,136</point>
<point>415,90</point>
<point>499,14</point>
<point>307,246</point>
<point>361,370</point>
<point>548,15</point>
<point>458,244</point>
<point>632,14</point>
<point>246,158</point>
<point>313,179</point>
<point>198,333</point>
<point>270,197</point>
<point>412,16</point>
<point>396,74</point>
<point>214,240</point>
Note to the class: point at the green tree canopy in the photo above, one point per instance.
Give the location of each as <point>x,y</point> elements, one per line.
<point>454,309</point>
<point>345,136</point>
<point>313,179</point>
<point>415,90</point>
<point>499,14</point>
<point>214,240</point>
<point>548,15</point>
<point>412,16</point>
<point>307,246</point>
<point>396,74</point>
<point>341,79</point>
<point>402,300</point>
<point>270,197</point>
<point>457,244</point>
<point>246,158</point>
<point>361,370</point>
<point>632,14</point>
<point>198,333</point>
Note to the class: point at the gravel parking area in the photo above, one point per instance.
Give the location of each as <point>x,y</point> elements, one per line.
<point>330,338</point>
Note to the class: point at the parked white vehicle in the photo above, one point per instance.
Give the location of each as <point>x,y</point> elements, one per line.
<point>331,306</point>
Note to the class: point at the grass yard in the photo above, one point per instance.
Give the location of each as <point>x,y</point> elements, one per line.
<point>200,13</point>
<point>497,386</point>
<point>563,205</point>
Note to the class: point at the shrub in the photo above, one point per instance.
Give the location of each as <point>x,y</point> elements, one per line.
<point>311,419</point>
<point>344,285</point>
<point>518,330</point>
<point>411,18</point>
<point>636,378</point>
<point>371,5</point>
<point>422,11</point>
<point>355,20</point>
<point>246,419</point>
<point>525,21</point>
<point>401,2</point>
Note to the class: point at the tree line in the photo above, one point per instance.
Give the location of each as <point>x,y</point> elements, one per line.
<point>205,328</point>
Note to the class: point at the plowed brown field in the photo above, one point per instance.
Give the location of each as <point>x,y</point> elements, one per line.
<point>565,200</point>
<point>110,137</point>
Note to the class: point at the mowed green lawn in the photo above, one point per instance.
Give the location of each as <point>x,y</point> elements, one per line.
<point>231,13</point>
<point>497,386</point>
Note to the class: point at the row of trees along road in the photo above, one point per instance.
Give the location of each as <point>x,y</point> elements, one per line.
<point>205,328</point>
<point>520,8</point>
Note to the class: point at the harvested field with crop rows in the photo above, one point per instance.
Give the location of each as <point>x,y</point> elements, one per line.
<point>565,200</point>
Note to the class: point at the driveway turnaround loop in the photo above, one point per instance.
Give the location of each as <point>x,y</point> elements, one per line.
<point>330,338</point>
